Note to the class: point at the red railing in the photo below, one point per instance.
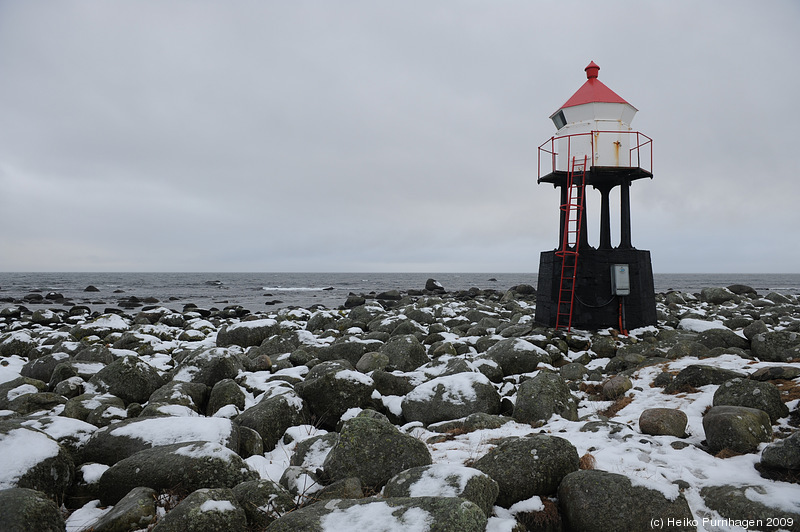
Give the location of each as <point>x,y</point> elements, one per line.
<point>643,149</point>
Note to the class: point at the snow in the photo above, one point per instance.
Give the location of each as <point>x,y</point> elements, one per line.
<point>206,450</point>
<point>166,430</point>
<point>695,325</point>
<point>20,450</point>
<point>354,376</point>
<point>376,517</point>
<point>85,517</point>
<point>11,367</point>
<point>458,388</point>
<point>92,472</point>
<point>217,506</point>
<point>22,389</point>
<point>434,481</point>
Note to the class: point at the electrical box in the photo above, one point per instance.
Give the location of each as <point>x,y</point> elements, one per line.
<point>620,280</point>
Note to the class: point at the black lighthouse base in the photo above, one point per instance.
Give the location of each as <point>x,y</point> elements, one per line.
<point>595,306</point>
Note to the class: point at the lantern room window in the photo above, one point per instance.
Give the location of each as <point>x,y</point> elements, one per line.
<point>559,120</point>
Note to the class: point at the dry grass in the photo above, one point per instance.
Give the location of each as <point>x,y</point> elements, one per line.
<point>547,519</point>
<point>727,453</point>
<point>587,461</point>
<point>616,406</point>
<point>790,390</point>
<point>594,391</point>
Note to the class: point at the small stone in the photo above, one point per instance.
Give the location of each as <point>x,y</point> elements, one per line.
<point>663,422</point>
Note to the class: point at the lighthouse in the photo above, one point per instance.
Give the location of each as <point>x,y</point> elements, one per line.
<point>608,283</point>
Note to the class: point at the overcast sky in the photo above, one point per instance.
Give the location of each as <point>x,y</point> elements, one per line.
<point>372,135</point>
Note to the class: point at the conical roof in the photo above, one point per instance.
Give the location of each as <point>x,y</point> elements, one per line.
<point>593,90</point>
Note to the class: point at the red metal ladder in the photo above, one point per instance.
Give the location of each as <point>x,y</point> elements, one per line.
<point>573,215</point>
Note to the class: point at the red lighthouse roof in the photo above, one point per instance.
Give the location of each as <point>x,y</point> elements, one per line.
<point>593,90</point>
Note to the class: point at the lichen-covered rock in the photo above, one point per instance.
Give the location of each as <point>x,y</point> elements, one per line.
<point>125,438</point>
<point>432,514</point>
<point>373,450</point>
<point>247,333</point>
<point>616,386</point>
<point>16,343</point>
<point>783,454</point>
<point>34,402</point>
<point>451,397</point>
<point>190,394</point>
<point>271,416</point>
<point>205,510</point>
<point>405,353</point>
<point>128,378</point>
<point>32,459</point>
<point>598,501</point>
<point>183,466</point>
<point>42,368</point>
<point>542,396</point>
<point>776,346</point>
<point>717,295</point>
<point>135,511</point>
<point>263,501</point>
<point>515,356</point>
<point>101,326</point>
<point>445,480</point>
<point>722,338</point>
<point>698,375</point>
<point>753,394</point>
<point>663,422</point>
<point>737,428</point>
<point>225,392</point>
<point>20,386</point>
<point>311,452</point>
<point>545,459</point>
<point>26,509</point>
<point>209,366</point>
<point>332,393</point>
<point>733,503</point>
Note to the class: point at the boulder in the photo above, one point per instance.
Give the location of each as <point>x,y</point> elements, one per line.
<point>247,333</point>
<point>331,394</point>
<point>737,428</point>
<point>432,514</point>
<point>742,503</point>
<point>128,378</point>
<point>205,510</point>
<point>663,422</point>
<point>125,438</point>
<point>753,394</point>
<point>135,511</point>
<point>34,402</point>
<point>698,375</point>
<point>598,501</point>
<point>181,466</point>
<point>225,392</point>
<point>542,396</point>
<point>722,338</point>
<point>193,395</point>
<point>311,452</point>
<point>451,397</point>
<point>16,343</point>
<point>263,501</point>
<point>209,366</point>
<point>91,404</point>
<point>545,459</point>
<point>345,349</point>
<point>373,450</point>
<point>371,361</point>
<point>775,372</point>
<point>42,368</point>
<point>615,387</point>
<point>516,356</point>
<point>405,353</point>
<point>776,346</point>
<point>717,295</point>
<point>445,480</point>
<point>271,416</point>
<point>783,454</point>
<point>26,509</point>
<point>12,389</point>
<point>101,326</point>
<point>34,460</point>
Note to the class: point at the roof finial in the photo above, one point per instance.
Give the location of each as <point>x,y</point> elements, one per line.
<point>592,70</point>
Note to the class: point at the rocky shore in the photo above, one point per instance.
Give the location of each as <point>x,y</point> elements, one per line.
<point>413,411</point>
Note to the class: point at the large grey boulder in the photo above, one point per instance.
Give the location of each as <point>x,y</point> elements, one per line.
<point>101,326</point>
<point>717,295</point>
<point>311,452</point>
<point>125,438</point>
<point>405,353</point>
<point>451,397</point>
<point>332,393</point>
<point>209,366</point>
<point>247,333</point>
<point>205,510</point>
<point>722,338</point>
<point>20,386</point>
<point>432,514</point>
<point>135,511</point>
<point>42,368</point>
<point>26,509</point>
<point>373,450</point>
<point>129,378</point>
<point>445,480</point>
<point>733,503</point>
<point>190,394</point>
<point>225,392</point>
<point>542,396</point>
<point>737,428</point>
<point>753,394</point>
<point>263,501</point>
<point>91,407</point>
<point>698,375</point>
<point>545,460</point>
<point>346,348</point>
<point>776,346</point>
<point>16,343</point>
<point>271,416</point>
<point>34,460</point>
<point>515,356</point>
<point>598,501</point>
<point>663,422</point>
<point>180,466</point>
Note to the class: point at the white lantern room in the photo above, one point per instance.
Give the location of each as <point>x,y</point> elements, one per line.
<point>594,125</point>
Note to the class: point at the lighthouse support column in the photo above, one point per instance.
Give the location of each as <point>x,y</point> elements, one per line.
<point>605,218</point>
<point>625,216</point>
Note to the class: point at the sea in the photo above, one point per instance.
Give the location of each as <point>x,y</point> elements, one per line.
<point>271,291</point>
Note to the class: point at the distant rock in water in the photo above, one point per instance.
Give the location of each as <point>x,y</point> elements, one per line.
<point>214,283</point>
<point>433,285</point>
<point>91,288</point>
